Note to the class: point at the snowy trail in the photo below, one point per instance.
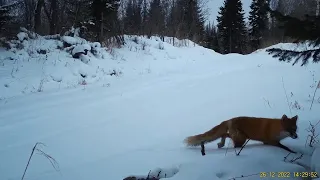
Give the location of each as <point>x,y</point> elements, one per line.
<point>100,133</point>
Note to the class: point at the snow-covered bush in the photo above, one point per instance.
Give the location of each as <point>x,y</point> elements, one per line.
<point>82,48</point>
<point>22,36</point>
<point>95,49</point>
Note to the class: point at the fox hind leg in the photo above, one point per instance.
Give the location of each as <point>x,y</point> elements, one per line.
<point>238,140</point>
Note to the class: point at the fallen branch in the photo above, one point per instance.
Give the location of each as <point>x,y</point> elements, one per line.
<point>293,159</point>
<point>285,158</point>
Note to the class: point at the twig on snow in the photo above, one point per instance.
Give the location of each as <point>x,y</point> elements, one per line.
<point>243,176</point>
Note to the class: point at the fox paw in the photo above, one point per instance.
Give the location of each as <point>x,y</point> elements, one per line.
<point>220,145</point>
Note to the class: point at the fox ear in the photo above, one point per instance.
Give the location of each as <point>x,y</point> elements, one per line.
<point>284,117</point>
<point>295,117</point>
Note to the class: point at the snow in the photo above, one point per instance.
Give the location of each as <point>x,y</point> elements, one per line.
<point>81,48</point>
<point>111,127</point>
<point>70,40</point>
<point>315,159</point>
<point>22,36</point>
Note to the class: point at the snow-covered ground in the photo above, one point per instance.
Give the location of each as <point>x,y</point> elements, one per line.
<point>110,127</point>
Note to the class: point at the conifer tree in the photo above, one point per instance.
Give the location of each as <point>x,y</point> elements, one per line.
<point>5,15</point>
<point>144,17</point>
<point>105,17</point>
<point>304,31</point>
<point>231,27</point>
<point>156,18</point>
<point>258,22</point>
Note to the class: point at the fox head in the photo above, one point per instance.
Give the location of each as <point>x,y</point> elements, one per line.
<point>290,125</point>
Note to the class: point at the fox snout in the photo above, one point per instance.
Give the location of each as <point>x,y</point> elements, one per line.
<point>294,135</point>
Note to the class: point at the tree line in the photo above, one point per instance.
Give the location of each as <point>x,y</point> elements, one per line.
<point>102,20</point>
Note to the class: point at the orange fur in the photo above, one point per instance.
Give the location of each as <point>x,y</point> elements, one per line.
<point>239,129</point>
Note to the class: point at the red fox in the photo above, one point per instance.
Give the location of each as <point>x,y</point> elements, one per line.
<point>239,129</point>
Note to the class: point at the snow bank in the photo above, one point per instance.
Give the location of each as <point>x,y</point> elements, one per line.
<point>45,64</point>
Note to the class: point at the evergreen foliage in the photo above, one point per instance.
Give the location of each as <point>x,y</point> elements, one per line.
<point>231,27</point>
<point>303,31</point>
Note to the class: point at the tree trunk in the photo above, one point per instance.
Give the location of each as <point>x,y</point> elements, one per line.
<point>37,16</point>
<point>101,29</point>
<point>54,17</point>
<point>318,8</point>
<point>28,4</point>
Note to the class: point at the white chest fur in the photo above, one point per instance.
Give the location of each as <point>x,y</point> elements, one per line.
<point>283,134</point>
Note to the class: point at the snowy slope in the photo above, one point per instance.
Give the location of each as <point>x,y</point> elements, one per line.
<point>117,126</point>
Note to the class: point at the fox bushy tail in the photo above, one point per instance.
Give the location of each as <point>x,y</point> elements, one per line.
<point>211,135</point>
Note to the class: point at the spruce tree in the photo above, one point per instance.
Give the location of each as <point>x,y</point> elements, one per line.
<point>133,19</point>
<point>156,18</point>
<point>186,20</point>
<point>5,15</point>
<point>231,27</point>
<point>105,17</point>
<point>303,31</point>
<point>77,12</point>
<point>258,22</point>
<point>128,19</point>
<point>194,21</point>
<point>144,17</point>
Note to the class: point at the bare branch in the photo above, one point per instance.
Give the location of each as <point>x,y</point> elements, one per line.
<point>312,137</point>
